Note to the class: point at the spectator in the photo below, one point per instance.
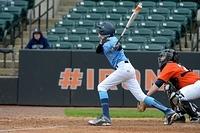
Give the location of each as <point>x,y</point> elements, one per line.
<point>38,41</point>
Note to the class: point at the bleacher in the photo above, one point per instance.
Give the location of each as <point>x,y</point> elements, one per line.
<point>161,24</point>
<point>13,21</point>
<point>13,15</point>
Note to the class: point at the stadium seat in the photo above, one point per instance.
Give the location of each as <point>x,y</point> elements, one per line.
<point>9,17</point>
<point>87,3</point>
<point>122,24</point>
<point>106,3</point>
<point>85,45</point>
<point>186,12</point>
<point>155,17</point>
<point>173,26</point>
<point>189,5</point>
<point>171,34</point>
<point>60,31</point>
<point>66,23</point>
<point>100,22</point>
<point>3,3</point>
<point>113,16</point>
<point>79,9</point>
<point>99,10</point>
<point>17,11</point>
<point>148,0</point>
<point>161,40</point>
<point>71,38</point>
<point>119,10</point>
<point>154,47</point>
<point>93,16</point>
<point>73,16</point>
<point>172,0</point>
<point>148,4</point>
<point>148,24</point>
<point>62,45</point>
<point>92,31</point>
<point>142,32</point>
<point>180,19</point>
<point>160,10</point>
<point>85,23</point>
<point>176,26</point>
<point>118,31</point>
<point>78,31</point>
<point>139,17</point>
<point>131,46</point>
<point>167,4</point>
<point>21,3</point>
<point>90,38</point>
<point>53,38</point>
<point>145,11</point>
<point>126,4</point>
<point>136,40</point>
<point>182,11</point>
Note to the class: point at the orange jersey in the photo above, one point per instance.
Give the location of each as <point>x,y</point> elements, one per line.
<point>173,70</point>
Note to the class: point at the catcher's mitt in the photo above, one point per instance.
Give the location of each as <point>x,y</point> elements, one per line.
<point>141,106</point>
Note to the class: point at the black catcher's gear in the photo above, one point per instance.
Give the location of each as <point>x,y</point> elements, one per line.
<point>180,105</point>
<point>167,55</point>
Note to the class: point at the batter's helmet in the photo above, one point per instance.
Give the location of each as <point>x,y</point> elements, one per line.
<point>106,28</point>
<point>167,55</point>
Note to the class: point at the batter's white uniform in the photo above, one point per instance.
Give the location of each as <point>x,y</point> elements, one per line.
<point>125,73</point>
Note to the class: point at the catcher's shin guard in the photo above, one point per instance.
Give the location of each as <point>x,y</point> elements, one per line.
<point>183,105</point>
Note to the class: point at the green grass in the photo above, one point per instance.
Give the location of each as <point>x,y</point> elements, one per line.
<point>114,112</point>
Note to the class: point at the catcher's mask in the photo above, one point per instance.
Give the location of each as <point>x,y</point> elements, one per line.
<point>167,55</point>
<point>106,29</point>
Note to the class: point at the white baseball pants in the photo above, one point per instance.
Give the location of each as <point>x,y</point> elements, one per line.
<point>125,73</point>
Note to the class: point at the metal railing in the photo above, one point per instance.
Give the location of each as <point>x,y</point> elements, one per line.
<point>40,14</point>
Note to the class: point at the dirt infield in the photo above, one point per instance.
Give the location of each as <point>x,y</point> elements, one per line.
<point>23,119</point>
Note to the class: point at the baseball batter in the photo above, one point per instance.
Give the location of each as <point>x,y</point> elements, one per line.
<point>124,72</point>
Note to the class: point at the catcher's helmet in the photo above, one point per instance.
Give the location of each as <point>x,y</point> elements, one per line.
<point>106,28</point>
<point>167,55</point>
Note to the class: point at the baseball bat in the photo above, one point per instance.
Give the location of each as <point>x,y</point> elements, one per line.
<point>131,19</point>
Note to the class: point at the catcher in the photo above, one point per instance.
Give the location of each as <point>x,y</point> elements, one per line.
<point>183,85</point>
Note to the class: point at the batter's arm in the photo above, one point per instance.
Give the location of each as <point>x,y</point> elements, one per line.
<point>99,49</point>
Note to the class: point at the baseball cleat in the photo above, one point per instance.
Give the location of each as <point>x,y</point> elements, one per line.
<point>180,119</point>
<point>195,120</point>
<point>170,118</point>
<point>100,121</point>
